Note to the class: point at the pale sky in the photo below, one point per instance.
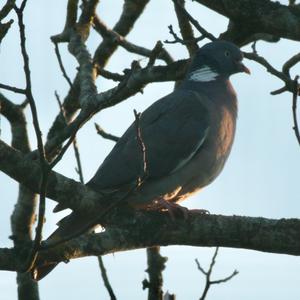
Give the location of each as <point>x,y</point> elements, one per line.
<point>261,177</point>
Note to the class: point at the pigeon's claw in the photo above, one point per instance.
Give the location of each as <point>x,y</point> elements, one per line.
<point>173,208</point>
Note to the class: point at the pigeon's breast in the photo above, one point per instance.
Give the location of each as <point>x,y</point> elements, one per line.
<point>202,168</point>
<point>209,161</point>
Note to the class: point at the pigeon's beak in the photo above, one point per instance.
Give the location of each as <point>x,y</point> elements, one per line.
<point>242,68</point>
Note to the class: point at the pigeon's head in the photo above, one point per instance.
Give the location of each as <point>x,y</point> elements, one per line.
<point>216,59</point>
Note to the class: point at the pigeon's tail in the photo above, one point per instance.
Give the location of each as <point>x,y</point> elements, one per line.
<point>70,227</point>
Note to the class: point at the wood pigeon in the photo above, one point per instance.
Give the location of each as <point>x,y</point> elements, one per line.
<point>187,135</point>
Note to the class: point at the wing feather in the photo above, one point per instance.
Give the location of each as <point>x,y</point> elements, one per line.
<point>173,129</point>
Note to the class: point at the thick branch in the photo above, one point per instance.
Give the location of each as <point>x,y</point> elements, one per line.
<point>186,29</point>
<point>132,10</point>
<point>258,16</point>
<point>156,265</point>
<point>23,216</point>
<point>102,29</point>
<point>67,192</point>
<point>147,229</point>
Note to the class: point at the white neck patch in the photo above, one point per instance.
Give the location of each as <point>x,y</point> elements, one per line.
<point>204,74</point>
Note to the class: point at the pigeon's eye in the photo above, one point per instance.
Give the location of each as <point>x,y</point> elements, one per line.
<point>226,53</point>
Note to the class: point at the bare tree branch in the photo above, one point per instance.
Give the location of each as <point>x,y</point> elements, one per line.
<point>294,108</point>
<point>61,65</point>
<point>12,88</point>
<point>23,216</point>
<point>5,10</point>
<point>290,63</point>
<point>156,264</point>
<point>105,32</point>
<point>207,274</point>
<point>132,10</point>
<point>268,235</point>
<point>185,13</point>
<point>106,280</point>
<point>75,147</point>
<point>185,28</point>
<point>281,75</point>
<point>128,87</point>
<point>106,135</point>
<point>110,75</point>
<point>257,17</point>
<point>42,158</point>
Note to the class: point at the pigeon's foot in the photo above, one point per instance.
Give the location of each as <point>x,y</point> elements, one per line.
<point>172,208</point>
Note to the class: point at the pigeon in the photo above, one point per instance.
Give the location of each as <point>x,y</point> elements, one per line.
<point>187,137</point>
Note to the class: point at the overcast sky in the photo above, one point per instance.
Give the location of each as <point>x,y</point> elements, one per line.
<point>261,177</point>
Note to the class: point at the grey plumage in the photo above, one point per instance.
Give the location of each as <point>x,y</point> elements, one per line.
<point>188,136</point>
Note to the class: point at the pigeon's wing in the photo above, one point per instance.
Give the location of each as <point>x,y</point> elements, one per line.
<point>172,130</point>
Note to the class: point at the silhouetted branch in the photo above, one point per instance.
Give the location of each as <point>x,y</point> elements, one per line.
<point>105,32</point>
<point>294,108</point>
<point>110,75</point>
<point>177,39</point>
<point>207,274</point>
<point>5,10</point>
<point>127,233</point>
<point>4,27</point>
<point>282,75</point>
<point>75,147</point>
<point>132,10</point>
<point>156,264</point>
<point>105,279</point>
<point>196,24</point>
<point>43,162</point>
<point>186,29</point>
<point>290,63</point>
<point>61,65</point>
<point>258,19</point>
<point>23,216</point>
<point>142,147</point>
<point>12,89</point>
<point>128,87</point>
<point>106,135</point>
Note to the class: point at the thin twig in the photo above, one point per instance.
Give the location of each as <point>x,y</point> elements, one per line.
<point>61,65</point>
<point>75,147</point>
<point>196,24</point>
<point>43,162</point>
<point>207,274</point>
<point>281,75</point>
<point>186,29</point>
<point>177,39</point>
<point>290,63</point>
<point>64,148</point>
<point>78,160</point>
<point>294,108</point>
<point>12,89</point>
<point>105,32</point>
<point>142,147</point>
<point>106,135</point>
<point>105,279</point>
<point>110,75</point>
